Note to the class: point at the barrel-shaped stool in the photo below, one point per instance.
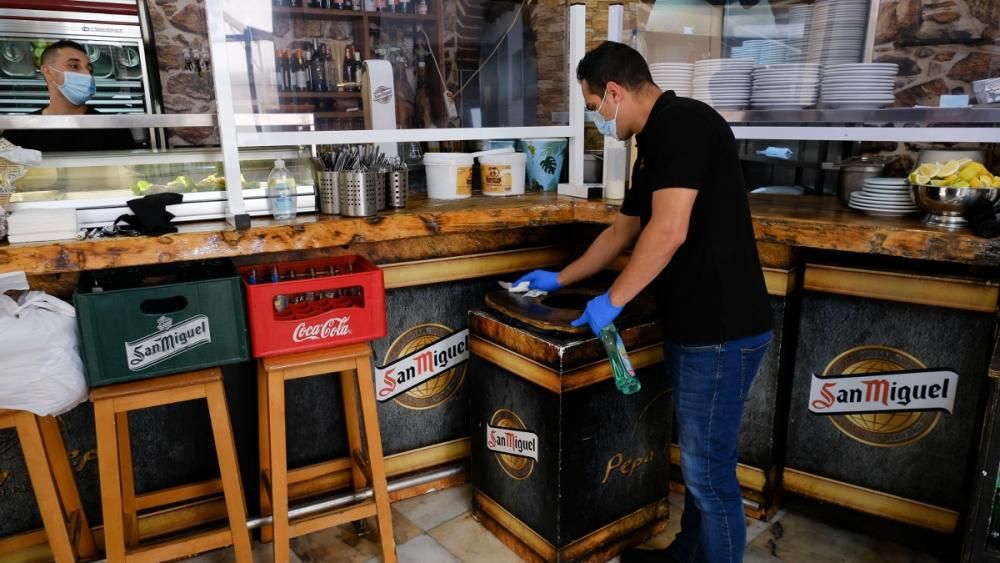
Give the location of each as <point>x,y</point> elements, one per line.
<point>66,527</point>
<point>118,499</point>
<point>366,462</point>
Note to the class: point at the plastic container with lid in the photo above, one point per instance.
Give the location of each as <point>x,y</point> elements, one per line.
<point>503,174</point>
<point>449,175</point>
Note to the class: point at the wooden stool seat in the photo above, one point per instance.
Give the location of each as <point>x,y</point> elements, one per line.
<point>121,523</point>
<point>365,460</point>
<point>52,481</point>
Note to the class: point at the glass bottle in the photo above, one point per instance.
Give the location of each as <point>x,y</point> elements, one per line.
<point>621,366</point>
<point>422,7</point>
<point>281,192</point>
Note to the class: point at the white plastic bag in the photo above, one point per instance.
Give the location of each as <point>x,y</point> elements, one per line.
<point>40,366</point>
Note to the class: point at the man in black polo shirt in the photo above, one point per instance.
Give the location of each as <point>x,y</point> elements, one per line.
<point>69,77</point>
<point>688,215</point>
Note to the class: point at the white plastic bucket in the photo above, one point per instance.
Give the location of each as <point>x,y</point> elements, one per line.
<point>449,175</point>
<point>503,174</point>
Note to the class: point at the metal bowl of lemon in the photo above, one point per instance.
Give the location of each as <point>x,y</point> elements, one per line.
<point>953,191</point>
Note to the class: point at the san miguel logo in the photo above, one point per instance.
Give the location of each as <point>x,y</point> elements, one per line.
<point>170,340</point>
<point>882,396</point>
<point>425,367</point>
<point>516,447</point>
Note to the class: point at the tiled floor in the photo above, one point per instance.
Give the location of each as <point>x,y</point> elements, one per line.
<point>439,528</point>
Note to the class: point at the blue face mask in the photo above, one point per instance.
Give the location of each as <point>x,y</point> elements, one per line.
<point>78,87</point>
<point>607,127</point>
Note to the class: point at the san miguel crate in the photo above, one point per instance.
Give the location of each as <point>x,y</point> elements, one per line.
<point>312,304</point>
<point>147,321</point>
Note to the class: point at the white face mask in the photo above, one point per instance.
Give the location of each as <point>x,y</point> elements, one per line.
<point>607,127</point>
<point>77,87</point>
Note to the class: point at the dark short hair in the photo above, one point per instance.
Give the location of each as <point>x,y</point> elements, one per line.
<point>613,62</point>
<point>52,50</point>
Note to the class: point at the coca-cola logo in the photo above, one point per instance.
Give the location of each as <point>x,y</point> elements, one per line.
<point>332,328</point>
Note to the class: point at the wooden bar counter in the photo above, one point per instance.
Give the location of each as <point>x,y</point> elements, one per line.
<point>804,221</point>
<point>441,257</point>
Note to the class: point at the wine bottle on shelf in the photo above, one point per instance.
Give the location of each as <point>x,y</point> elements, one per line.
<point>308,57</point>
<point>357,70</point>
<point>405,7</point>
<point>422,7</point>
<point>318,70</point>
<point>295,3</point>
<point>278,82</point>
<point>301,70</point>
<point>349,64</point>
<point>349,4</point>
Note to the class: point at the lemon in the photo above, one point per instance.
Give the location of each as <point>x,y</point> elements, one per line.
<point>963,161</point>
<point>985,181</point>
<point>937,183</point>
<point>919,180</point>
<point>996,181</point>
<point>961,185</point>
<point>977,182</point>
<point>929,169</point>
<point>968,172</point>
<point>950,179</point>
<point>949,169</point>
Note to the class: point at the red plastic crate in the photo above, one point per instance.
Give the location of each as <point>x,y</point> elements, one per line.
<point>316,304</point>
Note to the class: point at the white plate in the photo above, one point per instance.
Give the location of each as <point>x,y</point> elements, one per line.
<point>862,197</point>
<point>887,181</point>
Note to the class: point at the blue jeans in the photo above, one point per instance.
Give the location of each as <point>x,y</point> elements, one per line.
<point>711,384</point>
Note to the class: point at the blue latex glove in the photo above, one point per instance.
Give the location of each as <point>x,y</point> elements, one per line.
<point>598,314</point>
<point>541,279</point>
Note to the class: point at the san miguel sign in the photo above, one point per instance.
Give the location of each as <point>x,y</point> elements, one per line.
<point>421,365</point>
<point>926,390</point>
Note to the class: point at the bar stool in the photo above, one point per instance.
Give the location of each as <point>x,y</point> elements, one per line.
<point>366,462</point>
<point>121,524</point>
<point>69,535</point>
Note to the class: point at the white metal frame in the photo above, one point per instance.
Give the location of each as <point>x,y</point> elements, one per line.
<point>236,212</point>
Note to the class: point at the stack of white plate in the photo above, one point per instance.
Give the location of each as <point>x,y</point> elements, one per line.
<point>884,196</point>
<point>773,52</point>
<point>673,76</point>
<point>858,85</point>
<point>837,31</point>
<point>798,30</point>
<point>785,86</point>
<point>750,49</point>
<point>723,83</point>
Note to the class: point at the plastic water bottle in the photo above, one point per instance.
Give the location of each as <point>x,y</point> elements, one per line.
<point>281,192</point>
<point>621,366</point>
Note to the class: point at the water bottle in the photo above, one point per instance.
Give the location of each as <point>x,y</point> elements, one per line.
<point>281,192</point>
<point>621,366</point>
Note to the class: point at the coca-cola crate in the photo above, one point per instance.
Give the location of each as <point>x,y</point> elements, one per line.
<point>141,322</point>
<point>312,304</point>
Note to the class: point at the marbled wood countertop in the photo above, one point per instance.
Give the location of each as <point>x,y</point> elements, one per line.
<point>805,221</point>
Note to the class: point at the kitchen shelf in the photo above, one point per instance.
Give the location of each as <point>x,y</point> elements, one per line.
<point>335,14</point>
<point>983,115</point>
<point>782,162</point>
<point>320,95</point>
<point>339,114</point>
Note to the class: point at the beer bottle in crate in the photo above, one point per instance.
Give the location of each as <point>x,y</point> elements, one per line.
<point>621,366</point>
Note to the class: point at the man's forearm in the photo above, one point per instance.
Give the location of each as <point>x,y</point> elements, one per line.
<point>651,255</point>
<point>605,248</point>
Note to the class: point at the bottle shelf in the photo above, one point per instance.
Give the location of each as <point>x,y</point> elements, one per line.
<point>320,95</point>
<point>334,13</point>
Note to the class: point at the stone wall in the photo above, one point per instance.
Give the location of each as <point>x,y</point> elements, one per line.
<point>941,46</point>
<point>178,25</point>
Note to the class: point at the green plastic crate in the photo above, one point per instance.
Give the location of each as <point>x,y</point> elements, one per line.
<point>143,322</point>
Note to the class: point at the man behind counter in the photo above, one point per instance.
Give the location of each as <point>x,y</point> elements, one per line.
<point>69,77</point>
